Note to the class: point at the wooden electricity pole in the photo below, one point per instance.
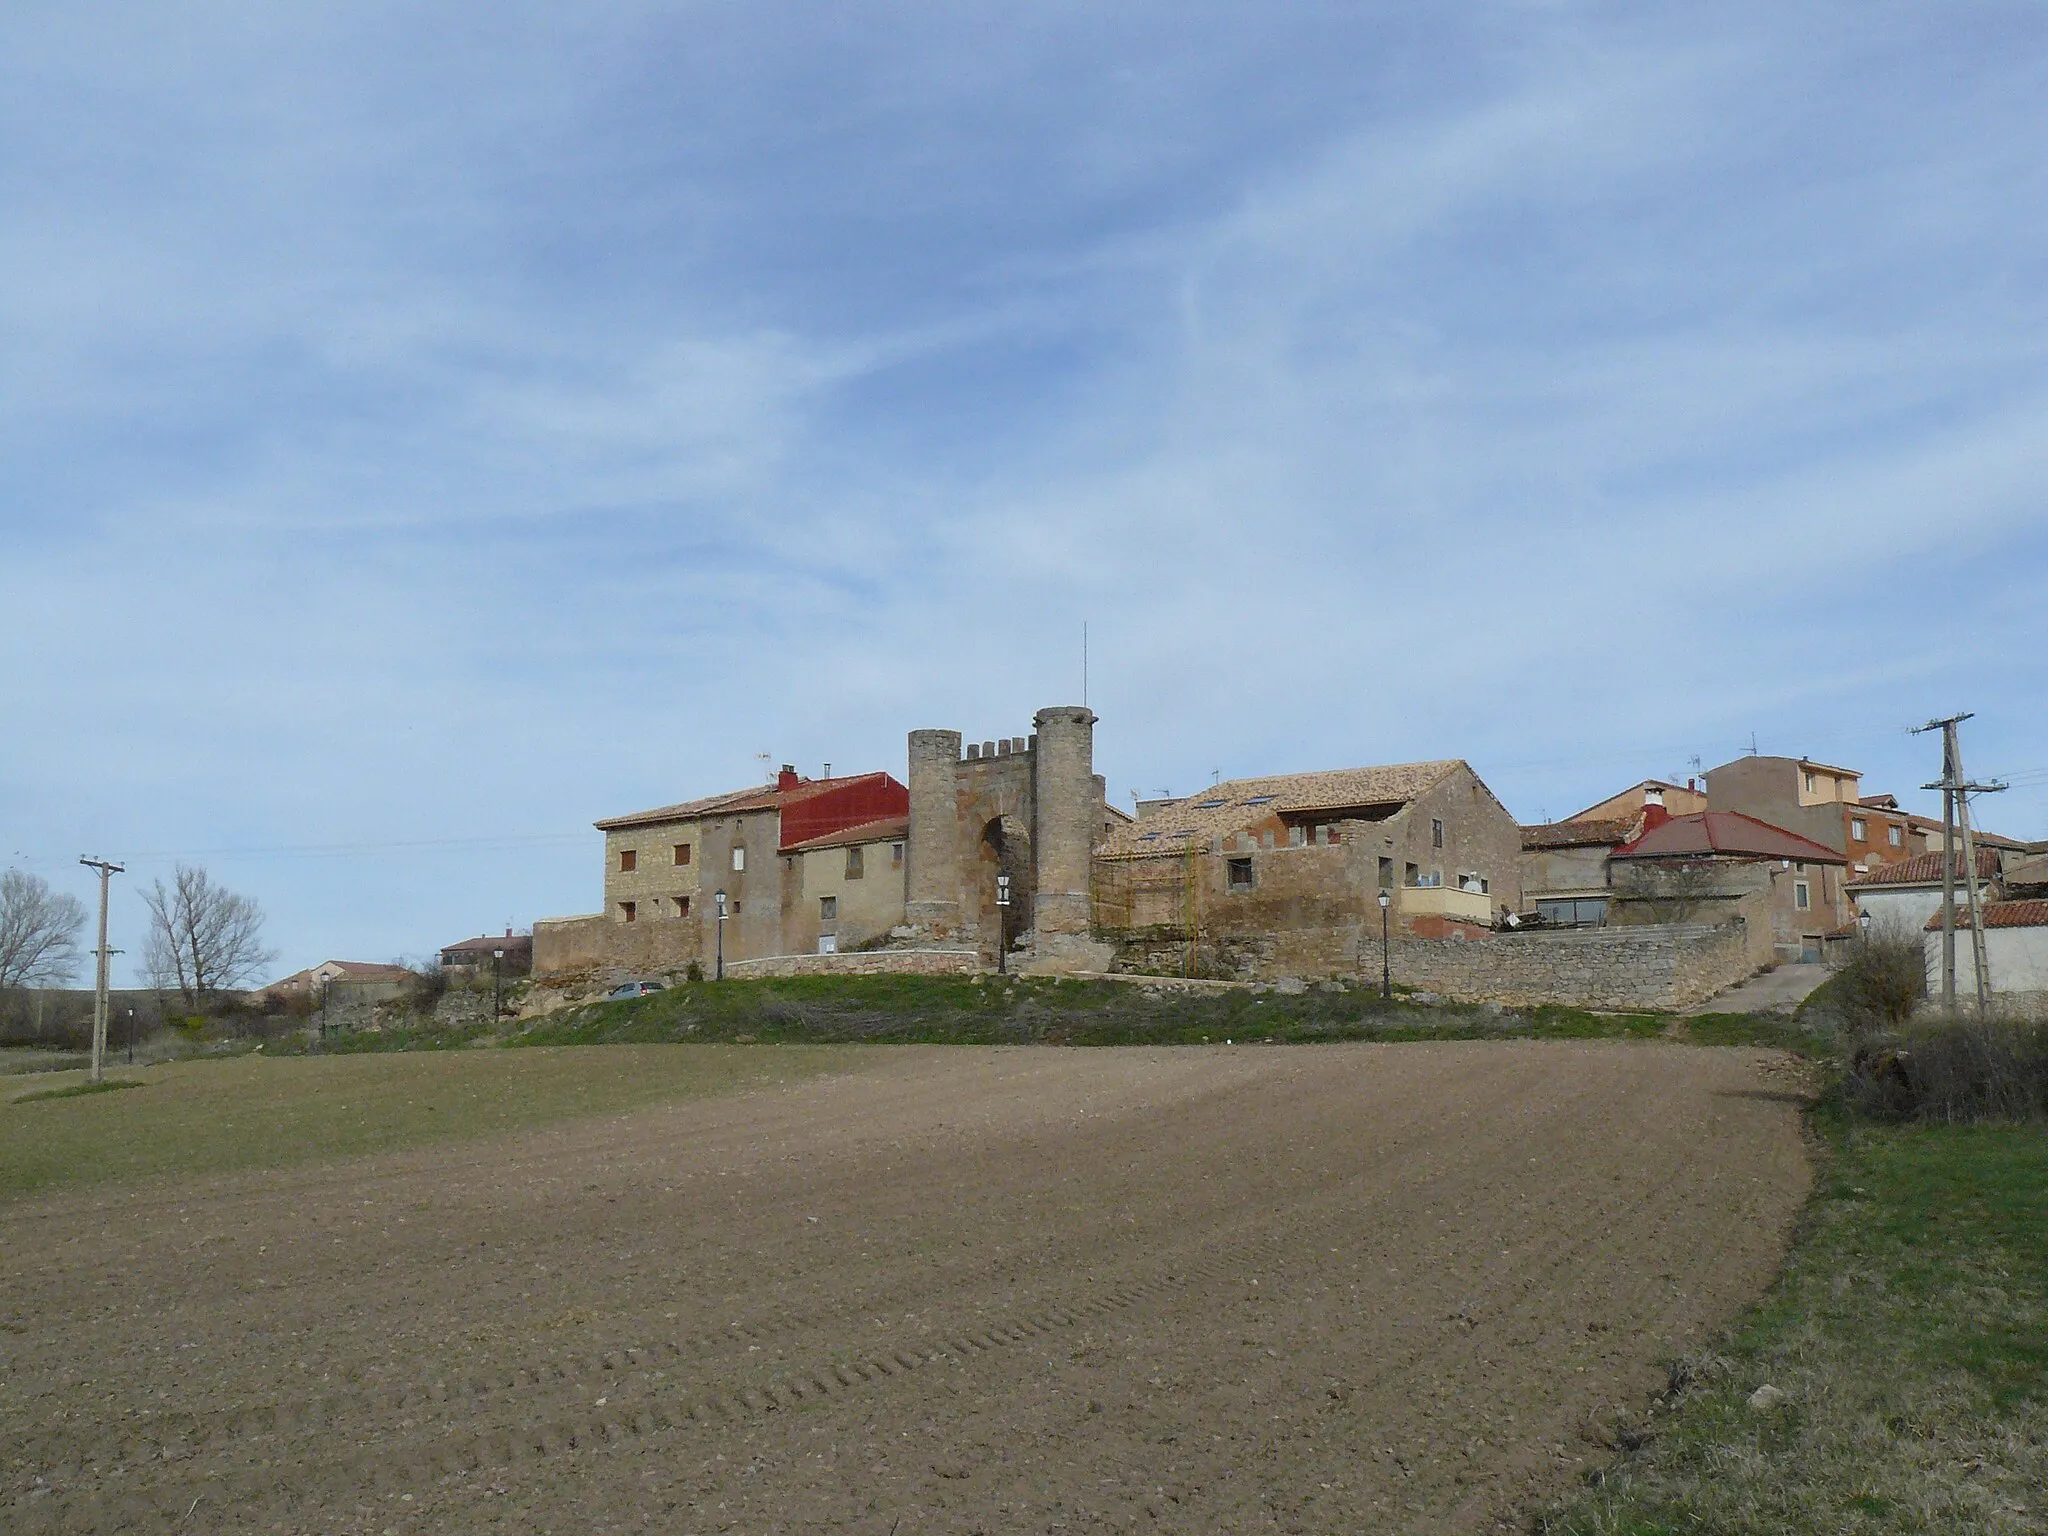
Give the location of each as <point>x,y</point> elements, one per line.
<point>99,993</point>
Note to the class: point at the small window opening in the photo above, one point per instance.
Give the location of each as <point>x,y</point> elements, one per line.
<point>629,911</point>
<point>682,906</point>
<point>854,869</point>
<point>1802,895</point>
<point>629,860</point>
<point>739,858</point>
<point>1240,874</point>
<point>682,853</point>
<point>895,855</point>
<point>1436,833</point>
<point>828,908</point>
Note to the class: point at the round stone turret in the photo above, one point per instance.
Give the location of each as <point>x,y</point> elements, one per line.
<point>1068,817</point>
<point>931,859</point>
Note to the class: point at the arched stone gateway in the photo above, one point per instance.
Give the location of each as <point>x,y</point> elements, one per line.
<point>1031,808</point>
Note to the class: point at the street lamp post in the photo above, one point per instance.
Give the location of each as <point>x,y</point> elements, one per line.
<point>497,982</point>
<point>1002,924</point>
<point>719,974</point>
<point>1386,963</point>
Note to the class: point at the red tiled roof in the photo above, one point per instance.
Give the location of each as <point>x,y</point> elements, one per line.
<point>1999,914</point>
<point>488,943</point>
<point>761,797</point>
<point>1578,834</point>
<point>1725,834</point>
<point>888,830</point>
<point>1923,869</point>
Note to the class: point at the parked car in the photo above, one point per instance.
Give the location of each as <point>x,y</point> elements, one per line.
<point>632,989</point>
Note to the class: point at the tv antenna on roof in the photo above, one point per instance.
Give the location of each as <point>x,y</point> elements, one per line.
<point>765,759</point>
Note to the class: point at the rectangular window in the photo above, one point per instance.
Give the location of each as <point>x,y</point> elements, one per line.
<point>629,911</point>
<point>682,854</point>
<point>739,858</point>
<point>828,908</point>
<point>682,906</point>
<point>1809,783</point>
<point>1386,874</point>
<point>1802,895</point>
<point>1411,874</point>
<point>854,864</point>
<point>1857,829</point>
<point>1897,837</point>
<point>895,855</point>
<point>1240,874</point>
<point>1436,833</point>
<point>629,860</point>
<point>1575,912</point>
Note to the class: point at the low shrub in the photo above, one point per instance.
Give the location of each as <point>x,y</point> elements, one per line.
<point>1992,1068</point>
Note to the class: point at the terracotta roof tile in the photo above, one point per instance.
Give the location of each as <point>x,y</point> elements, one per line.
<point>1727,834</point>
<point>1237,803</point>
<point>1922,869</point>
<point>888,829</point>
<point>1578,834</point>
<point>1999,914</point>
<point>760,797</point>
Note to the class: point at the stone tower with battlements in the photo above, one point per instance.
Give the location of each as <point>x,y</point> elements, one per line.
<point>1030,808</point>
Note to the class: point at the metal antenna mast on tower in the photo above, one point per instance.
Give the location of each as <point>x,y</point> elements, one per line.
<point>99,991</point>
<point>1955,817</point>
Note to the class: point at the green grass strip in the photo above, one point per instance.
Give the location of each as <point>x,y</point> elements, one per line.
<point>1909,1331</point>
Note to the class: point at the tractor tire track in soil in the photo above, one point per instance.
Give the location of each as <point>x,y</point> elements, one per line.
<point>1320,1288</point>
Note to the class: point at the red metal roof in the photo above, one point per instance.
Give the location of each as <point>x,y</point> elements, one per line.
<point>768,797</point>
<point>1999,914</point>
<point>1724,834</point>
<point>1923,869</point>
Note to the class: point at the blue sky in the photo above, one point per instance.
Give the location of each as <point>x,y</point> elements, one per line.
<point>424,430</point>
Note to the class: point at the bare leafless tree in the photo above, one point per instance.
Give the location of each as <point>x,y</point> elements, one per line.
<point>39,932</point>
<point>1674,890</point>
<point>203,938</point>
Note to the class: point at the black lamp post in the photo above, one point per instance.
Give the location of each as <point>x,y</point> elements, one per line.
<point>719,974</point>
<point>1002,924</point>
<point>497,979</point>
<point>1386,963</point>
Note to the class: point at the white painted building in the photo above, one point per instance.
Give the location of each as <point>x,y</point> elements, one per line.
<point>2015,949</point>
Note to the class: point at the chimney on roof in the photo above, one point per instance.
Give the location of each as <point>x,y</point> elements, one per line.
<point>1654,814</point>
<point>1692,784</point>
<point>787,779</point>
<point>828,770</point>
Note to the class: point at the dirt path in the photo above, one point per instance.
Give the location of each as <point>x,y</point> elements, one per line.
<point>1309,1289</point>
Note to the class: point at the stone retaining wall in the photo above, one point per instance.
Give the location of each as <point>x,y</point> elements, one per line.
<point>1662,968</point>
<point>876,962</point>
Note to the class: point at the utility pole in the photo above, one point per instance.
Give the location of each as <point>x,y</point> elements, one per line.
<point>99,995</point>
<point>1955,827</point>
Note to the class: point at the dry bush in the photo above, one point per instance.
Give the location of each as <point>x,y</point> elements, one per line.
<point>1880,984</point>
<point>1993,1068</point>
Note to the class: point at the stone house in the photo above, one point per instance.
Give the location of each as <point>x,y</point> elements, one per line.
<point>847,892</point>
<point>1716,864</point>
<point>665,868</point>
<point>1281,875</point>
<point>369,980</point>
<point>1564,869</point>
<point>509,955</point>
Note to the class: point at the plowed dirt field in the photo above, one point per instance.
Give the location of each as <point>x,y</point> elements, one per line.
<point>1345,1288</point>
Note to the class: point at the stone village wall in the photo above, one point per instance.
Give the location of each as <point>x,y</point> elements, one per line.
<point>1650,966</point>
